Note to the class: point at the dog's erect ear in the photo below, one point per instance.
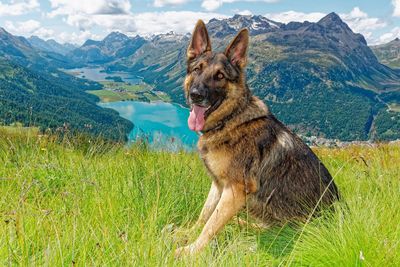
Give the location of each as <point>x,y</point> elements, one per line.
<point>200,41</point>
<point>236,51</point>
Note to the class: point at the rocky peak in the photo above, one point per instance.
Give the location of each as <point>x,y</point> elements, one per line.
<point>331,18</point>
<point>116,37</point>
<point>3,31</point>
<point>90,42</point>
<point>4,34</point>
<point>334,23</point>
<point>170,37</point>
<point>255,24</point>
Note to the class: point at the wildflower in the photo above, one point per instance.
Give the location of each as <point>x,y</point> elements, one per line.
<point>361,256</point>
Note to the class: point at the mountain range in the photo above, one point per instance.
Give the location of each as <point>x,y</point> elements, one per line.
<point>319,78</point>
<point>51,45</point>
<point>389,53</point>
<point>115,46</point>
<point>34,92</point>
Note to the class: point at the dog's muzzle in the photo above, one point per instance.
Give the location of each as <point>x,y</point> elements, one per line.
<point>197,96</point>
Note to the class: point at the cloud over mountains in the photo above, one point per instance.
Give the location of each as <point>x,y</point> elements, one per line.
<point>76,20</point>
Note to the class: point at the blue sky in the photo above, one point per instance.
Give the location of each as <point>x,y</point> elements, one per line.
<point>77,20</point>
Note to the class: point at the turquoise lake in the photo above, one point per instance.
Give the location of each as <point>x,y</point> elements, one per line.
<point>98,74</point>
<point>164,125</point>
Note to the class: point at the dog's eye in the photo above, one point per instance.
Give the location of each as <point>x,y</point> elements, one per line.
<point>197,70</point>
<point>220,76</point>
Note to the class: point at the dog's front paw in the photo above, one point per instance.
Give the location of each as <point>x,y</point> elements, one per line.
<point>185,251</point>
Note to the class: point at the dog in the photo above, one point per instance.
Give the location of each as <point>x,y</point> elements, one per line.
<point>254,160</point>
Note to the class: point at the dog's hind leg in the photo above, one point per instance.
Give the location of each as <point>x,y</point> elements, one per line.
<point>233,199</point>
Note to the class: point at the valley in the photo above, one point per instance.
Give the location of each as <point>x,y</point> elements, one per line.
<point>161,124</point>
<point>320,78</point>
<point>118,86</point>
<point>55,103</point>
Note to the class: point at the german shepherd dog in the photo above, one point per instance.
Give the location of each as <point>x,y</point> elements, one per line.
<point>254,160</point>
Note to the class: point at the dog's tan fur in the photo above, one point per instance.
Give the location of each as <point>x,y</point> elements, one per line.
<point>253,159</point>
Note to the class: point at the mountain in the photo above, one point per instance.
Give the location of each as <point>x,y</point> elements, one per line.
<point>18,49</point>
<point>116,45</point>
<point>34,92</point>
<point>388,54</point>
<point>15,47</point>
<point>255,25</point>
<point>50,45</point>
<point>54,102</point>
<point>334,41</point>
<point>320,78</point>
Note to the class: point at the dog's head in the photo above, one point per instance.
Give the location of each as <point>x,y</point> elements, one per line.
<point>215,82</point>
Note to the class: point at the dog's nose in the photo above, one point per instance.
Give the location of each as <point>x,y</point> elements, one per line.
<point>196,95</point>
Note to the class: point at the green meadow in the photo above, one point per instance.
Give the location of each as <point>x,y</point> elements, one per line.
<point>82,202</point>
<point>121,91</point>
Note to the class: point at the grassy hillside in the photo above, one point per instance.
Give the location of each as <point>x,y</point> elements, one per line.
<point>389,53</point>
<point>55,101</point>
<point>85,203</point>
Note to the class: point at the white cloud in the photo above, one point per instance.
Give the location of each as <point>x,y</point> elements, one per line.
<point>116,15</point>
<point>22,27</point>
<point>110,15</point>
<point>15,8</point>
<point>76,38</point>
<point>29,28</point>
<point>44,33</point>
<point>161,3</point>
<point>90,16</point>
<point>177,21</point>
<point>211,5</point>
<point>245,12</point>
<point>104,16</point>
<point>360,22</point>
<point>389,36</point>
<point>98,7</point>
<point>145,24</point>
<point>396,6</point>
<point>124,23</point>
<point>288,16</point>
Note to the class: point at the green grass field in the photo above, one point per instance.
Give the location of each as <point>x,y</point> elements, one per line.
<point>121,91</point>
<point>394,107</point>
<point>79,203</point>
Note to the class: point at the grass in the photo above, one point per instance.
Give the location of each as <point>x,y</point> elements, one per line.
<point>394,107</point>
<point>17,128</point>
<point>106,95</point>
<point>89,203</point>
<point>121,91</point>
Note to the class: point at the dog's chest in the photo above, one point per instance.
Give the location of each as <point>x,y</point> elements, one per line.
<point>217,161</point>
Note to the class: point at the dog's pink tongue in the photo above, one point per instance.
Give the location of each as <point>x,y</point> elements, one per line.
<point>196,118</point>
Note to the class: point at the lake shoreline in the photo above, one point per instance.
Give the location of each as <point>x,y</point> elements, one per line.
<point>161,123</point>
